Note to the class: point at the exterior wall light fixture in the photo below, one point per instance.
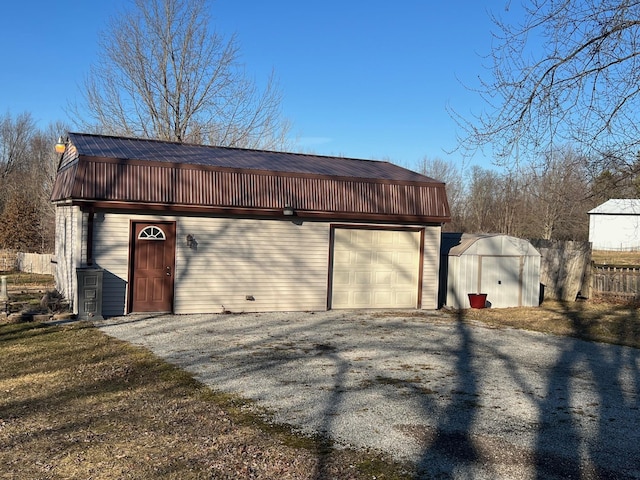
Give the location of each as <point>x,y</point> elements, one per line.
<point>191,242</point>
<point>61,145</point>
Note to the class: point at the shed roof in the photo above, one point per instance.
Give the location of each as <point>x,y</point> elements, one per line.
<point>108,172</point>
<point>488,244</point>
<point>618,206</point>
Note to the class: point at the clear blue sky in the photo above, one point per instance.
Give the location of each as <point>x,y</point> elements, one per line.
<point>360,78</point>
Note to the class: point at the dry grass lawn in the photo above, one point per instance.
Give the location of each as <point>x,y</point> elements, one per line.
<point>76,403</point>
<point>589,320</point>
<point>615,258</point>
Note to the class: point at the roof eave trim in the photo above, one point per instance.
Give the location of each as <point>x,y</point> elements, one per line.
<point>259,212</point>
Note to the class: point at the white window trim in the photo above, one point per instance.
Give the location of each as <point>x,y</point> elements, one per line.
<point>152,233</point>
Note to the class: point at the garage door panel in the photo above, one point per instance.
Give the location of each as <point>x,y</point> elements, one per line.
<point>404,240</point>
<point>341,297</point>
<point>406,259</point>
<point>362,298</point>
<point>405,280</point>
<point>385,240</point>
<point>364,258</point>
<point>375,268</point>
<point>405,298</point>
<point>342,278</point>
<point>383,278</point>
<point>363,278</point>
<point>382,299</point>
<point>384,258</point>
<point>342,257</point>
<point>363,237</point>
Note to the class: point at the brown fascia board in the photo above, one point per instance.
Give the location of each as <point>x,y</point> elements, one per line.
<point>135,207</point>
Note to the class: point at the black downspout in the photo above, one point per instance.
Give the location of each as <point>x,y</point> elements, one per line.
<point>90,238</point>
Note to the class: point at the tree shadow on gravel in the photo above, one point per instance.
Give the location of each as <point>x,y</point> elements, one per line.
<point>331,409</point>
<point>587,412</point>
<point>451,445</point>
<point>565,434</point>
<point>612,375</point>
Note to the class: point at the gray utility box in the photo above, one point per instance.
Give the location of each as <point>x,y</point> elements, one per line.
<point>89,293</point>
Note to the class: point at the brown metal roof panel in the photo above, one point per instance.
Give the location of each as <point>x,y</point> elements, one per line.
<point>152,184</point>
<point>178,153</point>
<point>96,178</point>
<point>63,185</point>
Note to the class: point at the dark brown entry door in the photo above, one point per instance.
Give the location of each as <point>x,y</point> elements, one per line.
<point>153,265</point>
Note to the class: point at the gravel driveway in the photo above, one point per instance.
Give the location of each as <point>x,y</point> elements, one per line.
<point>457,400</point>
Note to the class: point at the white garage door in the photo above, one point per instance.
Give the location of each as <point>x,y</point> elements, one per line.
<point>375,268</point>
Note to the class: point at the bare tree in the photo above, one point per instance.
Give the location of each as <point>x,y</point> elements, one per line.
<point>450,174</point>
<point>164,74</point>
<point>15,136</point>
<point>560,197</point>
<point>482,200</point>
<point>510,205</point>
<point>27,172</point>
<point>569,73</point>
<point>39,179</point>
<point>19,222</point>
<point>614,179</point>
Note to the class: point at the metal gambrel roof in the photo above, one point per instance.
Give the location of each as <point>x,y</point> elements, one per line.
<point>107,171</point>
<point>237,158</point>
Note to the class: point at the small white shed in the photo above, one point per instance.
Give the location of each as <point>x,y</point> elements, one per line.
<point>505,268</point>
<point>615,225</point>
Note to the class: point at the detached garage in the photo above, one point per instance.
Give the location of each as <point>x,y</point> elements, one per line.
<point>506,269</point>
<point>192,229</point>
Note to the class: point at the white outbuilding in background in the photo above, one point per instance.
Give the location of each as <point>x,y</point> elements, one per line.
<point>615,225</point>
<point>505,268</point>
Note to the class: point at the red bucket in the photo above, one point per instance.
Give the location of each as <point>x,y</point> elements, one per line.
<point>478,300</point>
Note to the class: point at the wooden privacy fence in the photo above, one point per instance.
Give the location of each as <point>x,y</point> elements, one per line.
<point>27,262</point>
<point>615,280</point>
<point>564,268</point>
<point>36,263</point>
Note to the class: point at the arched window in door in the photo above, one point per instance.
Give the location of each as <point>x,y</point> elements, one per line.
<point>151,233</point>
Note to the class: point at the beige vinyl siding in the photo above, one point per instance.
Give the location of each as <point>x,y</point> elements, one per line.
<point>280,265</point>
<point>70,250</point>
<point>431,267</point>
<point>64,253</point>
<point>111,253</point>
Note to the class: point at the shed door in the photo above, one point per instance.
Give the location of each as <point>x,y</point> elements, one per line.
<point>375,268</point>
<point>153,261</point>
<point>502,280</point>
